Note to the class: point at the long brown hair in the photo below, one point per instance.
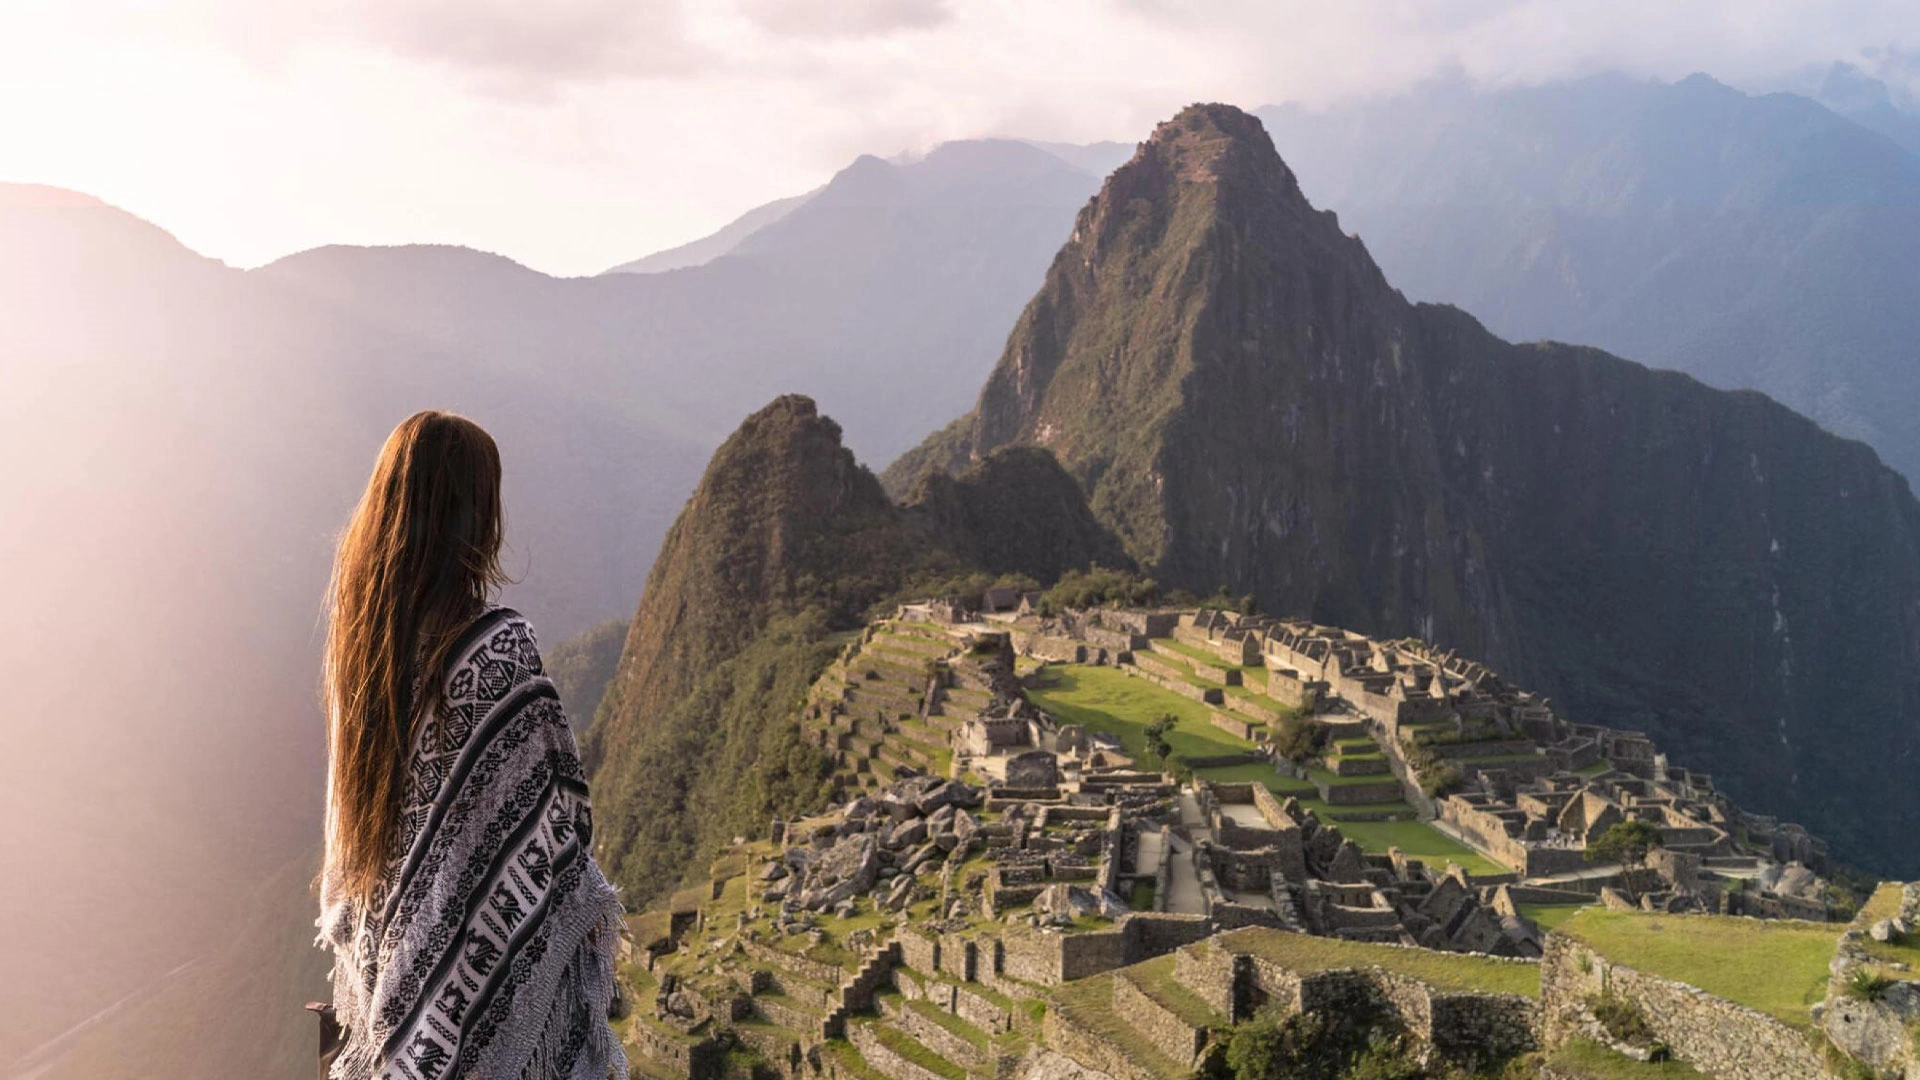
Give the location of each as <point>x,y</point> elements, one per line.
<point>416,563</point>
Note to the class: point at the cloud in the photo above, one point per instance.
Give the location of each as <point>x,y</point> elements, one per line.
<point>566,40</point>
<point>845,18</point>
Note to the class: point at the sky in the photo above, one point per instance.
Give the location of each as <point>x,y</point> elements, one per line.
<point>573,135</point>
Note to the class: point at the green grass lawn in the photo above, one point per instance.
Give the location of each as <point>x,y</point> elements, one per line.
<point>1778,966</point>
<point>1195,652</point>
<point>1418,840</point>
<point>1549,916</point>
<point>1334,780</point>
<point>1259,772</point>
<point>1089,1003</point>
<point>1445,971</point>
<point>1155,978</point>
<point>1885,904</point>
<point>1122,705</point>
<point>1589,1060</point>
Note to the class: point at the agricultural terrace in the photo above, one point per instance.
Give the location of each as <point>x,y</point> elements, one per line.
<point>1777,966</point>
<point>1107,699</point>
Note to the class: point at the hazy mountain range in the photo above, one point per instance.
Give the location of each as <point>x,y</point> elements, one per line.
<point>189,436</point>
<point>1248,402</point>
<point>184,437</point>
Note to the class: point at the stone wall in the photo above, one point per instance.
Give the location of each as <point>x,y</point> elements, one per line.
<point>1088,1048</point>
<point>1059,650</point>
<point>1714,1035</point>
<point>1465,1026</point>
<point>1236,727</point>
<point>918,950</point>
<point>1031,956</point>
<point>1141,623</point>
<point>980,1011</point>
<point>1461,1027</point>
<point>696,1060</point>
<point>957,957</point>
<point>1212,974</point>
<point>814,970</point>
<point>1087,954</point>
<point>1360,794</point>
<point>1157,934</point>
<point>1163,1028</point>
<point>787,1016</point>
<point>1206,695</point>
<point>930,1034</point>
<point>1289,689</point>
<point>881,1058</point>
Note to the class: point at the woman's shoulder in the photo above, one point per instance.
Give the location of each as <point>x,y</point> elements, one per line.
<point>497,632</point>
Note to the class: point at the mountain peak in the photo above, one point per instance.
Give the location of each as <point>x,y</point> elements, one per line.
<point>1206,142</point>
<point>44,197</point>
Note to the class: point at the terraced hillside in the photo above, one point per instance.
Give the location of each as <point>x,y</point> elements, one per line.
<point>1130,844</point>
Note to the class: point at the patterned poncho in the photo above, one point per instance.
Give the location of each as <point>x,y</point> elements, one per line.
<point>488,951</point>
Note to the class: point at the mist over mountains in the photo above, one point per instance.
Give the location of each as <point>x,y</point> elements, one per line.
<point>189,436</point>
<point>1752,242</point>
<point>182,438</point>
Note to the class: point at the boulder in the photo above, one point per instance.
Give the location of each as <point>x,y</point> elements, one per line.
<point>921,856</point>
<point>906,833</point>
<point>1798,881</point>
<point>1060,903</point>
<point>1884,931</point>
<point>947,793</point>
<point>845,870</point>
<point>899,893</point>
<point>773,871</point>
<point>1033,769</point>
<point>964,826</point>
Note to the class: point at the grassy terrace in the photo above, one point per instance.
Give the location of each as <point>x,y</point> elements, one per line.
<point>917,1052</point>
<point>1442,971</point>
<point>1588,1060</point>
<point>1885,904</point>
<point>953,1024</point>
<point>1089,1002</point>
<point>1105,699</point>
<point>1418,840</point>
<point>1155,978</point>
<point>1777,966</point>
<point>1549,916</point>
<point>1195,652</point>
<point>849,1061</point>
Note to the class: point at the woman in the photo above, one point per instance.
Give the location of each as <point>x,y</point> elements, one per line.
<point>473,935</point>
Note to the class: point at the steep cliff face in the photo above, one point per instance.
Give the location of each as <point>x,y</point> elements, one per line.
<point>787,542</point>
<point>1249,403</point>
<point>1015,511</point>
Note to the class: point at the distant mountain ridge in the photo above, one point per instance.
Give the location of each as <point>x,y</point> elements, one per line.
<point>1248,402</point>
<point>270,390</point>
<point>712,246</point>
<point>1756,242</point>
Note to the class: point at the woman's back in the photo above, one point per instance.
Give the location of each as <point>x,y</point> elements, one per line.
<point>481,944</point>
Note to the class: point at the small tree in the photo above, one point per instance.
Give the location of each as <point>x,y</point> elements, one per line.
<point>1296,737</point>
<point>1157,743</point>
<point>1627,843</point>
